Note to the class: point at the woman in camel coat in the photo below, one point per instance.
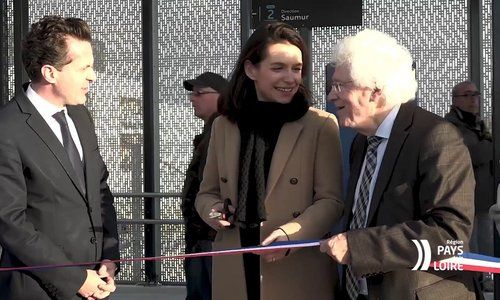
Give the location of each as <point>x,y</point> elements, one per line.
<point>278,162</point>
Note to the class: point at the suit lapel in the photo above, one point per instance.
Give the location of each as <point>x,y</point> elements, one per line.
<point>358,150</point>
<point>286,142</point>
<point>397,138</point>
<point>232,158</point>
<point>80,119</point>
<point>42,129</point>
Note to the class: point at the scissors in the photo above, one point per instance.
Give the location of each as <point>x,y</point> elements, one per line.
<point>225,215</point>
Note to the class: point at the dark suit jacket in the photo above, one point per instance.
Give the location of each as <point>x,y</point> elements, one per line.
<point>45,218</point>
<point>424,190</point>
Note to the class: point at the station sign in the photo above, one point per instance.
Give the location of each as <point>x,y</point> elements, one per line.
<point>309,13</point>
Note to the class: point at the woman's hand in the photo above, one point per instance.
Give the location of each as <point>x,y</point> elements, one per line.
<point>217,222</point>
<point>278,235</point>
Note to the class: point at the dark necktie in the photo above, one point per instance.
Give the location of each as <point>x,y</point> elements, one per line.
<point>360,210</point>
<point>70,147</point>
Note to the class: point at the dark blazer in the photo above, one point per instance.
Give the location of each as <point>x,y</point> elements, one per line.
<point>45,217</point>
<point>424,190</point>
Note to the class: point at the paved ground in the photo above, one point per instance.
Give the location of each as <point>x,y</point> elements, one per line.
<point>134,292</point>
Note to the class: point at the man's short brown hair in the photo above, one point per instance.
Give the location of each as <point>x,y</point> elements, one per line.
<point>45,43</point>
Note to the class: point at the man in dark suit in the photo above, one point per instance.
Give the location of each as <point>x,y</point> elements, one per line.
<point>411,178</point>
<point>56,207</point>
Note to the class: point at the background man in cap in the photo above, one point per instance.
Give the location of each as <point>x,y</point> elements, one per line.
<point>205,90</point>
<point>465,114</point>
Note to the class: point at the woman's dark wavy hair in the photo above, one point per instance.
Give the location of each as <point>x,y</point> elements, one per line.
<point>45,43</point>
<point>241,89</point>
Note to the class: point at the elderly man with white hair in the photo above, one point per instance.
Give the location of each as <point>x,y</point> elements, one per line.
<point>411,179</point>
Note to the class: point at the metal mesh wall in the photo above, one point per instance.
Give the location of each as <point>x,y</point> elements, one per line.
<point>131,238</point>
<point>9,38</point>
<point>115,100</point>
<point>4,49</point>
<point>435,34</point>
<point>204,35</point>
<point>172,241</point>
<point>194,37</point>
<point>487,61</point>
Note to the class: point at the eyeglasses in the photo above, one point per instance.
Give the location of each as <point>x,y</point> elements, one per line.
<point>473,94</point>
<point>337,86</point>
<point>201,93</point>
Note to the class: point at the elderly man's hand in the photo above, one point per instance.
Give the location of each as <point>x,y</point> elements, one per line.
<point>337,248</point>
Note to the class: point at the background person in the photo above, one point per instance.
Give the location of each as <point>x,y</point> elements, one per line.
<point>465,114</point>
<point>278,161</point>
<point>205,90</point>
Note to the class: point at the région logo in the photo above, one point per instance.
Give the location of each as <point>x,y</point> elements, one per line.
<point>452,248</point>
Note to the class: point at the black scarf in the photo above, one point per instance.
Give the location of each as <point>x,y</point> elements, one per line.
<point>260,126</point>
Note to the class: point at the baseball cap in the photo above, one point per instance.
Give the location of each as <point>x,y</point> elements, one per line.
<point>207,79</point>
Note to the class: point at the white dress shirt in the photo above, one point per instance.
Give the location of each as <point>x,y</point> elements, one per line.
<point>383,131</point>
<point>47,110</point>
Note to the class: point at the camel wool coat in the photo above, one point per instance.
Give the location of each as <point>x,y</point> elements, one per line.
<point>303,197</point>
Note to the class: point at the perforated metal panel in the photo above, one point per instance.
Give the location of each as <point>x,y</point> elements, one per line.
<point>204,35</point>
<point>131,238</point>
<point>435,34</point>
<point>9,38</point>
<point>487,61</point>
<point>194,37</point>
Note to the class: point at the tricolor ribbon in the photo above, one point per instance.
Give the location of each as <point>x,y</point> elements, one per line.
<point>255,249</point>
<point>468,261</point>
<point>472,262</point>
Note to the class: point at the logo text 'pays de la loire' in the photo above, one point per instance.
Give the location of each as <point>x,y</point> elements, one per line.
<point>452,248</point>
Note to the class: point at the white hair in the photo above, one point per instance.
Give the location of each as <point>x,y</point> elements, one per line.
<point>376,60</point>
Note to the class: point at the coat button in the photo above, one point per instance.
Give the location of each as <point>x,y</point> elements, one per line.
<point>294,180</point>
<point>93,240</point>
<point>223,179</point>
<point>296,214</point>
<point>90,208</point>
